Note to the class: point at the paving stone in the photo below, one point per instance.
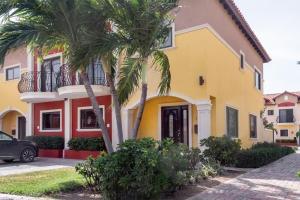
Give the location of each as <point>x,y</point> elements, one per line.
<point>277,181</point>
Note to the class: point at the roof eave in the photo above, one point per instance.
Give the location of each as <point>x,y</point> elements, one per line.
<point>236,15</point>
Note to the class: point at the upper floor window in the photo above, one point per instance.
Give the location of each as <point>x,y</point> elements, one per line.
<point>286,116</point>
<point>169,40</point>
<point>253,126</point>
<point>232,122</point>
<point>13,73</point>
<point>257,80</point>
<point>95,73</point>
<point>270,112</point>
<point>242,60</point>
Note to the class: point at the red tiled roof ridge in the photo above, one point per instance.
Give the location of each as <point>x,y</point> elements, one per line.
<point>233,10</point>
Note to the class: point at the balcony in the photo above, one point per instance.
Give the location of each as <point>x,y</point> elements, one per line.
<point>38,87</point>
<point>44,86</point>
<point>70,85</point>
<point>286,120</point>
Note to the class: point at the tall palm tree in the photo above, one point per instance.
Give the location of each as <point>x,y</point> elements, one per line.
<point>145,24</point>
<point>48,24</point>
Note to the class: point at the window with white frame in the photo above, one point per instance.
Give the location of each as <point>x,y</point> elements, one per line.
<point>257,80</point>
<point>253,126</point>
<point>284,133</point>
<point>51,120</point>
<point>232,116</point>
<point>87,119</point>
<point>13,73</point>
<point>169,39</point>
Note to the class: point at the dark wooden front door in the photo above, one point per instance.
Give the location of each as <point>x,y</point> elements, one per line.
<point>21,128</point>
<point>174,123</point>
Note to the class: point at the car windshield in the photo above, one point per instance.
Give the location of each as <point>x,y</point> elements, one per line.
<point>4,137</point>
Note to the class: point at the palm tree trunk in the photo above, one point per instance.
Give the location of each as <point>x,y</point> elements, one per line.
<point>117,108</point>
<point>140,111</point>
<point>98,112</point>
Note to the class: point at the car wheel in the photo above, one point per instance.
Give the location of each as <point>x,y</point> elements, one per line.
<point>8,160</point>
<point>27,155</point>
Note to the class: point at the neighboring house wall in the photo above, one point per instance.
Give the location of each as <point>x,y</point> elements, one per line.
<point>281,102</point>
<point>10,105</point>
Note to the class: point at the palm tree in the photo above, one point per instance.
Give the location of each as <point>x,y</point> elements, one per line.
<point>145,24</point>
<point>62,24</point>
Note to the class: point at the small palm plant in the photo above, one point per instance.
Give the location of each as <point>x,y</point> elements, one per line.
<point>144,25</point>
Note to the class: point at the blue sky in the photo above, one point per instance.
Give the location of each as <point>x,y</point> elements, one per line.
<point>277,25</point>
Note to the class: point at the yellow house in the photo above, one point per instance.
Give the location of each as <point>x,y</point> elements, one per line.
<point>13,112</point>
<point>217,72</point>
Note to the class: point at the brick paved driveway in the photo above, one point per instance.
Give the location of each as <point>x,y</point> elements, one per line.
<point>275,181</point>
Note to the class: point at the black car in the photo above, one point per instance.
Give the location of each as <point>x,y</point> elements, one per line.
<point>12,149</point>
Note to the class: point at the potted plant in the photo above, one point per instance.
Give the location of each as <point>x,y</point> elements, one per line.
<point>298,138</point>
<point>82,148</point>
<point>49,146</point>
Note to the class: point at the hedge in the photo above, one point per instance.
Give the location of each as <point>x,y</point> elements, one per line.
<point>87,144</point>
<point>47,142</point>
<point>261,154</point>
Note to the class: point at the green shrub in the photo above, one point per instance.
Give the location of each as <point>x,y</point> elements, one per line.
<point>47,142</point>
<point>145,169</point>
<point>87,144</point>
<point>222,149</point>
<point>261,154</point>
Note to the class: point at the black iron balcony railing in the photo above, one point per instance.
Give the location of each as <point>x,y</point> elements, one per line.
<point>67,77</point>
<point>37,81</point>
<point>290,119</point>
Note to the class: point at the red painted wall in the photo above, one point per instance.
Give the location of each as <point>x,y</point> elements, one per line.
<point>38,107</point>
<point>76,103</point>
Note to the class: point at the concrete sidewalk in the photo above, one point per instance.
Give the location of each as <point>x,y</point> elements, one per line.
<point>40,164</point>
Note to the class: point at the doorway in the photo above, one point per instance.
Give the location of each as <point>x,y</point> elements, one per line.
<point>21,128</point>
<point>175,123</point>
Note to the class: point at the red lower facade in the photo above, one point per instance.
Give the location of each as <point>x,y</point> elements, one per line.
<point>49,119</point>
<point>81,155</point>
<point>51,153</point>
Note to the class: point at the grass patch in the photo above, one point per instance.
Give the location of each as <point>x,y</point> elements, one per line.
<point>41,183</point>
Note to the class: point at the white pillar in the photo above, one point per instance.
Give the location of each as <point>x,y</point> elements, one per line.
<point>114,129</point>
<point>67,120</point>
<point>0,124</point>
<point>29,120</point>
<point>127,122</point>
<point>204,120</point>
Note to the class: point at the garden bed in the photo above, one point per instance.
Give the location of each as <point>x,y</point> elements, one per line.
<point>51,153</point>
<point>186,192</point>
<point>81,155</point>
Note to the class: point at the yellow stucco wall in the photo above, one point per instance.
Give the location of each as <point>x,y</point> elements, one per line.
<point>9,122</point>
<point>202,53</point>
<point>10,102</point>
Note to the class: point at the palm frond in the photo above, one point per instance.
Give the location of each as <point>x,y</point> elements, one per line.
<point>129,78</point>
<point>162,64</point>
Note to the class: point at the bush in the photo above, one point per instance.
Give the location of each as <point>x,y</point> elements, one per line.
<point>222,149</point>
<point>261,154</point>
<point>47,142</point>
<point>87,144</point>
<point>144,169</point>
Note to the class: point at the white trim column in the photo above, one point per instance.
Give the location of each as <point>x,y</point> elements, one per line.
<point>29,120</point>
<point>127,123</point>
<point>67,121</point>
<point>114,128</point>
<point>204,119</point>
<point>0,124</point>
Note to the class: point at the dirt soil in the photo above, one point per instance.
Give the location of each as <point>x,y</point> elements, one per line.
<point>186,192</point>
